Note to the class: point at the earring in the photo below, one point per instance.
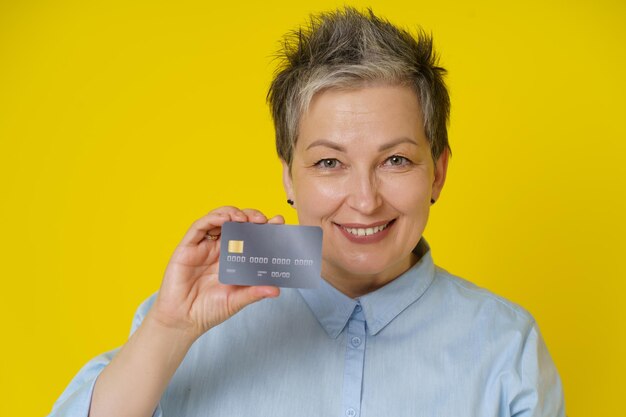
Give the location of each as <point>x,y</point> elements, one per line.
<point>290,202</point>
<point>432,201</point>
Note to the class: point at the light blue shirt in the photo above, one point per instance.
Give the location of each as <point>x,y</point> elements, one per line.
<point>426,344</point>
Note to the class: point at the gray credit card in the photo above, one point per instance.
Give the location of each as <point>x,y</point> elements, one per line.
<point>270,254</point>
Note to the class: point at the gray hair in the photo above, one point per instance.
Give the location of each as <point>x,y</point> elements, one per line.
<point>346,48</point>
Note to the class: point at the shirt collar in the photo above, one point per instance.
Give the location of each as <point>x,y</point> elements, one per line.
<point>333,309</point>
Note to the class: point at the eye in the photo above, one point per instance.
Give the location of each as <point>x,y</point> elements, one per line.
<point>397,160</point>
<point>327,163</point>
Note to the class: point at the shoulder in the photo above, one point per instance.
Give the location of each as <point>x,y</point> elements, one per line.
<point>503,336</point>
<point>142,311</point>
<point>479,305</point>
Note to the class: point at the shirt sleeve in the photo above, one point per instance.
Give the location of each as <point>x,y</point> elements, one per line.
<point>75,401</point>
<point>540,393</point>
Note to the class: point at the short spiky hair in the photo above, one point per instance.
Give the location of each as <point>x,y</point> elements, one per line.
<point>346,48</point>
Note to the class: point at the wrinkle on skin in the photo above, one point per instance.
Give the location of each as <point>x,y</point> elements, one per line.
<point>366,135</point>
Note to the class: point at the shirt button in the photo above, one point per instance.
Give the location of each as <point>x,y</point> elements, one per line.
<point>358,308</point>
<point>350,412</point>
<point>356,341</point>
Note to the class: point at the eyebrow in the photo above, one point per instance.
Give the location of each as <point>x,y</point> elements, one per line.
<point>337,147</point>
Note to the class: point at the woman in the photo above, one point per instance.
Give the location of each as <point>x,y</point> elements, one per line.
<point>360,110</point>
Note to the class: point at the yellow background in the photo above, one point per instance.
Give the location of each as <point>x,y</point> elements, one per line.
<point>122,122</point>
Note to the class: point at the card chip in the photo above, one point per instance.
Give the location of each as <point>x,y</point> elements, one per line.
<point>235,246</point>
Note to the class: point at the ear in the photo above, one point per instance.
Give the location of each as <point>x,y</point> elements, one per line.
<point>287,182</point>
<point>441,169</point>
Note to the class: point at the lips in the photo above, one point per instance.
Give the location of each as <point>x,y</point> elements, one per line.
<point>361,233</point>
<point>366,231</point>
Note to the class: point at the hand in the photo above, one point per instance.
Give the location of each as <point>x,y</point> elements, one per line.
<point>191,298</point>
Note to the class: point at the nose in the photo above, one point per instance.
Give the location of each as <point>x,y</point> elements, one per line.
<point>363,192</point>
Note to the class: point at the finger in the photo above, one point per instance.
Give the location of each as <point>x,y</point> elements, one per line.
<point>278,219</point>
<point>255,216</point>
<point>211,222</point>
<point>252,294</point>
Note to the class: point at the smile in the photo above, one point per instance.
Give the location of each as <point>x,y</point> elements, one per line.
<point>365,231</point>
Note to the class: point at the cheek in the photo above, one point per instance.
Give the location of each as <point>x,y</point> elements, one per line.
<point>316,199</point>
<point>408,194</point>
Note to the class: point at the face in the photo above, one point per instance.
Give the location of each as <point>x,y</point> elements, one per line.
<point>362,170</point>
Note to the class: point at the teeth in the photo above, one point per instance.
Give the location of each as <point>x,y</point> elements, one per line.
<point>365,232</point>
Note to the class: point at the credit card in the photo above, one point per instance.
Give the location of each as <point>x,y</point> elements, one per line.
<point>270,254</point>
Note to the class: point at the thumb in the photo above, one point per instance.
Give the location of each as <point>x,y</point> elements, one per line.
<point>251,294</point>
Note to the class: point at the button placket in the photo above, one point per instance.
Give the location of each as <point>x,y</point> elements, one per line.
<point>353,369</point>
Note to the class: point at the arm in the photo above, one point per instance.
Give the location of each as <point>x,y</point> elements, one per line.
<point>76,399</point>
<point>191,301</point>
<point>540,393</point>
<point>132,384</point>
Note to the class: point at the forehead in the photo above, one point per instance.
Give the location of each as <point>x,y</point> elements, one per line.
<point>363,115</point>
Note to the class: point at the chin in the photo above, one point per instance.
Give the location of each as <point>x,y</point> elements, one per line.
<point>362,265</point>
